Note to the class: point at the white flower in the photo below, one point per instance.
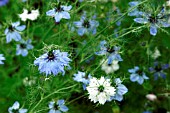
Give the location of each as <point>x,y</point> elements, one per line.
<point>151,97</point>
<point>156,54</point>
<point>32,15</point>
<point>114,66</point>
<point>100,90</point>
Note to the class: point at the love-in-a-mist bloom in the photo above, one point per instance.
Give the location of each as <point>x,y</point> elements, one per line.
<point>3,2</point>
<point>120,90</point>
<point>83,78</point>
<point>53,62</point>
<point>134,9</point>
<point>23,47</point>
<point>59,12</point>
<point>86,26</point>
<point>15,108</point>
<point>112,53</point>
<point>2,58</point>
<point>137,75</point>
<point>57,107</point>
<point>12,32</point>
<point>30,15</point>
<point>100,90</point>
<point>154,21</point>
<point>158,70</point>
<point>109,68</point>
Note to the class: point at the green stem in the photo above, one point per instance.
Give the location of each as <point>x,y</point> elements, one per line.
<point>31,111</point>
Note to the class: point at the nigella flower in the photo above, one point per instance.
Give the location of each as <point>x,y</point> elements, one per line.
<point>82,77</point>
<point>3,2</point>
<point>100,90</point>
<point>59,12</point>
<point>120,90</point>
<point>86,26</point>
<point>31,15</point>
<point>57,107</point>
<point>2,58</point>
<point>109,68</point>
<point>158,70</point>
<point>15,108</point>
<point>135,11</point>
<point>12,32</point>
<point>154,21</point>
<point>118,23</point>
<point>53,62</point>
<point>23,47</point>
<point>111,52</point>
<point>137,75</point>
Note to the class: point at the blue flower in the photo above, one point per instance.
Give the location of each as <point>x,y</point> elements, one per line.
<point>59,12</point>
<point>147,112</point>
<point>120,90</point>
<point>82,77</point>
<point>12,32</point>
<point>118,23</point>
<point>111,52</point>
<point>86,26</point>
<point>137,75</point>
<point>2,58</point>
<point>135,11</point>
<point>58,107</point>
<point>158,70</point>
<point>155,21</point>
<point>3,2</point>
<point>15,108</point>
<point>53,62</point>
<point>23,47</point>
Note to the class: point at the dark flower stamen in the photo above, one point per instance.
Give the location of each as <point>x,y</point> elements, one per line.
<point>110,49</point>
<point>158,68</point>
<point>56,107</point>
<point>101,88</point>
<point>153,19</point>
<point>86,24</point>
<point>23,46</point>
<point>11,28</point>
<point>51,55</point>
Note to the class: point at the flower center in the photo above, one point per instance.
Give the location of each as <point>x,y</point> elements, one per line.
<point>11,28</point>
<point>139,72</point>
<point>15,111</point>
<point>101,88</point>
<point>56,107</point>
<point>158,68</point>
<point>153,19</point>
<point>86,24</point>
<point>51,55</point>
<point>110,49</point>
<point>23,46</point>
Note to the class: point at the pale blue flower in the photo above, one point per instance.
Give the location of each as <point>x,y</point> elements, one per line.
<point>135,11</point>
<point>154,21</point>
<point>53,62</point>
<point>158,70</point>
<point>59,12</point>
<point>58,107</point>
<point>3,2</point>
<point>120,90</point>
<point>12,32</point>
<point>137,75</point>
<point>23,47</point>
<point>111,52</point>
<point>2,58</point>
<point>83,78</point>
<point>15,108</point>
<point>86,26</point>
